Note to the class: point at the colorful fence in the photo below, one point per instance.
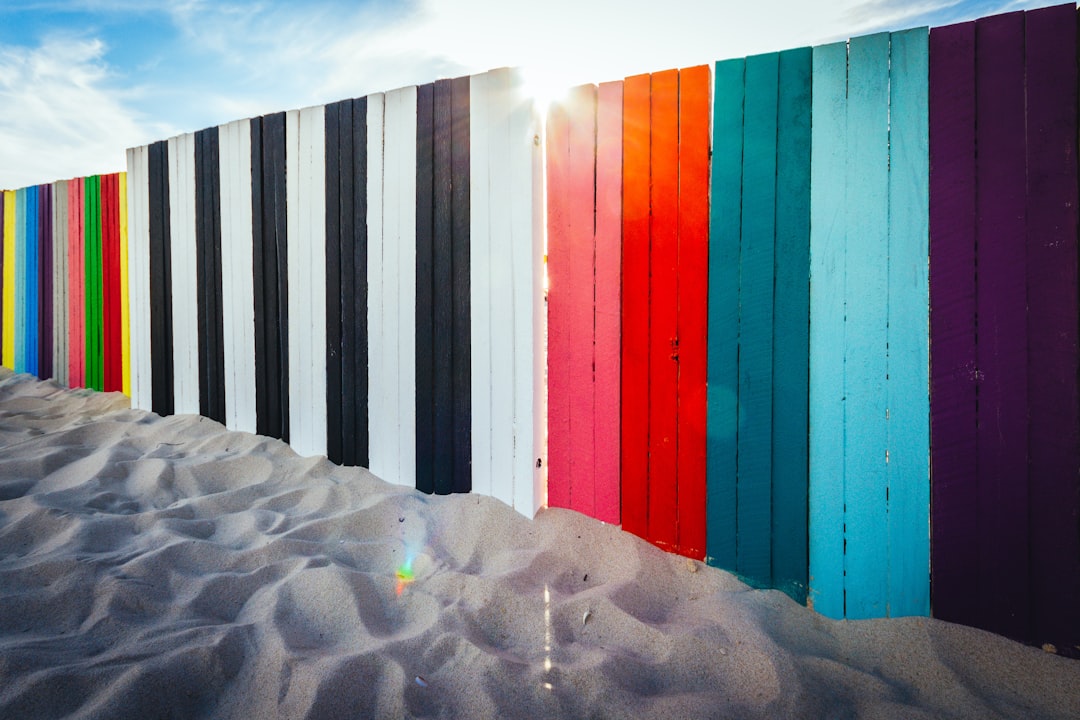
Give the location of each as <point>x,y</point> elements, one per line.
<point>64,303</point>
<point>759,340</point>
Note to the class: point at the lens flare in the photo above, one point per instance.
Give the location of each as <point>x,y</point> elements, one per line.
<point>405,574</point>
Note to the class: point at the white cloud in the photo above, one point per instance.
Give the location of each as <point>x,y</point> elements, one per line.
<point>60,119</point>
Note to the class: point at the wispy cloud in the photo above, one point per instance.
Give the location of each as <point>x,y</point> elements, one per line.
<point>61,118</point>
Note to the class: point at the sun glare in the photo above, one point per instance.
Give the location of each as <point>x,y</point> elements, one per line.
<point>545,85</point>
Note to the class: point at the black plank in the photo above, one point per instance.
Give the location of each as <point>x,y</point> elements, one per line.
<point>358,429</point>
<point>161,347</point>
<point>425,231</point>
<point>442,284</point>
<point>459,301</point>
<point>333,171</point>
<point>346,307</point>
<point>276,140</point>
<point>208,272</point>
<point>262,425</point>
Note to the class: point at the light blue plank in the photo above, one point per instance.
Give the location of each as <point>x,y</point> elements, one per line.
<point>827,266</point>
<point>909,317</point>
<point>20,271</point>
<point>723,379</point>
<point>792,324</point>
<point>865,337</point>
<point>756,320</point>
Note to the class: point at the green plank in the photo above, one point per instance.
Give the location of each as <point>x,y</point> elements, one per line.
<point>756,320</point>
<point>865,338</point>
<point>723,379</point>
<point>827,263</point>
<point>791,341</point>
<point>909,318</point>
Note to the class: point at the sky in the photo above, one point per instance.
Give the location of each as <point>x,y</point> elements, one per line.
<point>82,80</point>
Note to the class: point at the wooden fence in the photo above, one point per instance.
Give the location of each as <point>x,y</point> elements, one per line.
<point>64,310</point>
<point>760,342</point>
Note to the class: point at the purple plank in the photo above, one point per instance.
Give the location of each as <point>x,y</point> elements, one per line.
<point>1053,356</point>
<point>45,282</point>
<point>1002,453</point>
<point>952,322</point>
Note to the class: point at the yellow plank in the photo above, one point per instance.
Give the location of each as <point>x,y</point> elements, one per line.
<point>8,350</point>
<point>125,306</point>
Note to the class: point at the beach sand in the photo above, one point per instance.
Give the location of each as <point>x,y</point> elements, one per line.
<point>165,567</point>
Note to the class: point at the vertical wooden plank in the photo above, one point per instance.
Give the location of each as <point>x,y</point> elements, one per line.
<point>335,400</point>
<point>756,280</point>
<point>663,310</point>
<point>443,279</point>
<point>484,106</point>
<point>45,277</point>
<point>237,302</point>
<point>908,327</point>
<point>92,282</point>
<point>3,276</point>
<point>103,240</point>
<point>724,251</point>
<point>260,278</point>
<point>60,280</point>
<point>791,325</point>
<point>355,293</point>
<point>635,305</point>
<point>125,283</point>
<point>76,280</point>
<point>10,279</point>
<point>865,342</point>
<point>211,357</point>
<point>112,350</point>
<point>141,363</point>
<point>828,259</point>
<point>382,434</point>
<point>33,290</point>
<point>401,137</point>
<point>460,198</point>
<point>391,288</point>
<point>161,304</point>
<point>182,217</point>
<point>527,239</point>
<point>1001,307</point>
<point>608,298</point>
<point>22,283</point>
<point>297,273</point>
<point>558,305</point>
<point>693,299</point>
<point>1053,354</point>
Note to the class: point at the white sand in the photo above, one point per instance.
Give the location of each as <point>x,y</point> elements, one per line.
<point>157,567</point>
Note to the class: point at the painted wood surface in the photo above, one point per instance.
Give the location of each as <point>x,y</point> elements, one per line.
<point>138,176</point>
<point>10,296</point>
<point>77,286</point>
<point>33,308</point>
<point>124,290</point>
<point>21,285</point>
<point>92,225</point>
<point>45,284</point>
<point>208,274</point>
<point>60,281</point>
<point>384,436</point>
<point>160,285</point>
<point>184,268</point>
<point>112,337</point>
<point>3,277</point>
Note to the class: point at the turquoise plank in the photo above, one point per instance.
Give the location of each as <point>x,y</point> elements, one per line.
<point>827,269</point>
<point>866,336</point>
<point>756,320</point>
<point>20,270</point>
<point>723,370</point>
<point>792,325</point>
<point>909,318</point>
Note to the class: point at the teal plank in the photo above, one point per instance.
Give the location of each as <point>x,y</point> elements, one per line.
<point>792,326</point>
<point>756,320</point>
<point>827,271</point>
<point>909,318</point>
<point>723,369</point>
<point>866,339</point>
<point>21,286</point>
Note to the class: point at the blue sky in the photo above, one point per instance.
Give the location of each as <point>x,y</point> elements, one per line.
<point>81,80</point>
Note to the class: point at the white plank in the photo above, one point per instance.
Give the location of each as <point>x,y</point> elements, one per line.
<point>313,194</point>
<point>381,454</point>
<point>480,275</point>
<point>238,294</point>
<point>138,244</point>
<point>401,132</point>
<point>184,280</point>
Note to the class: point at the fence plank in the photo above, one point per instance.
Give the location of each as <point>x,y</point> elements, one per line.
<point>3,276</point>
<point>635,306</point>
<point>791,325</point>
<point>908,321</point>
<point>125,282</point>
<point>45,277</point>
<point>827,306</point>
<point>92,266</point>
<point>60,279</point>
<point>461,350</point>
<point>111,367</point>
<point>401,135</point>
<point>184,267</point>
<point>33,290</point>
<point>756,283</point>
<point>486,147</point>
<point>355,294</point>
<point>724,243</point>
<point>608,298</point>
<point>208,217</point>
<point>10,279</point>
<point>384,432</point>
<point>335,399</point>
<point>1002,323</point>
<point>21,283</point>
<point>77,282</point>
<point>1053,356</point>
<point>693,300</point>
<point>160,258</point>
<point>139,204</point>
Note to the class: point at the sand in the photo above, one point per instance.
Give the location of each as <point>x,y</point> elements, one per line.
<point>165,567</point>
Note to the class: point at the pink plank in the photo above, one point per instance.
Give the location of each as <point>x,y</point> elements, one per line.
<point>582,248</point>
<point>76,300</point>
<point>608,298</point>
<point>558,355</point>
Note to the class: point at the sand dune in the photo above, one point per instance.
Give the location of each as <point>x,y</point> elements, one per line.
<point>156,567</point>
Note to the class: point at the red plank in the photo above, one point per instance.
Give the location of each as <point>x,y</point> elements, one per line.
<point>635,306</point>
<point>582,206</point>
<point>608,281</point>
<point>693,304</point>
<point>663,311</point>
<point>558,308</point>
